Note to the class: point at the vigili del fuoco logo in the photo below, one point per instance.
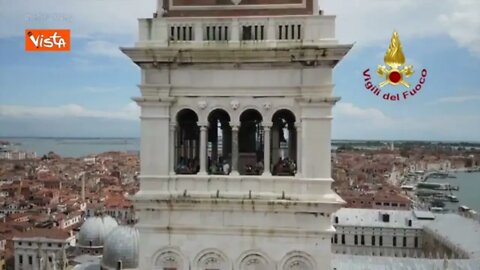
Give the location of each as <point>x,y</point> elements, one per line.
<point>395,73</point>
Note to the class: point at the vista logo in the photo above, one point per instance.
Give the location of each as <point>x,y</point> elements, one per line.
<point>47,40</point>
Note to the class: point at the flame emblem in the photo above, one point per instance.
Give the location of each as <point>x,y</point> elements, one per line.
<point>395,59</point>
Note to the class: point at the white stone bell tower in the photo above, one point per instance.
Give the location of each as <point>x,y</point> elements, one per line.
<point>236,100</point>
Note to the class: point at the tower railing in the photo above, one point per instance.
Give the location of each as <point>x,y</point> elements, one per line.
<point>235,32</point>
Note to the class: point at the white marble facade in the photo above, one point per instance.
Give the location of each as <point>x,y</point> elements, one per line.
<point>234,221</point>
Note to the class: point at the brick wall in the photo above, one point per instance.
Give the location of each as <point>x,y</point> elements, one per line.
<point>230,10</point>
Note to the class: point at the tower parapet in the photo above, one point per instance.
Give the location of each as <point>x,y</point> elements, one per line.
<point>177,29</point>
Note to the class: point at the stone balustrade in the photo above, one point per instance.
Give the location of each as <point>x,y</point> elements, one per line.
<point>235,32</point>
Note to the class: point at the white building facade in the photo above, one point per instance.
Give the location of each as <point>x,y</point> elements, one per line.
<point>226,90</point>
<point>391,233</point>
<point>42,249</point>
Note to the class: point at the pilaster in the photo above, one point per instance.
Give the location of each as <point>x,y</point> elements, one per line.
<point>298,127</point>
<point>316,126</point>
<point>172,149</point>
<point>155,131</point>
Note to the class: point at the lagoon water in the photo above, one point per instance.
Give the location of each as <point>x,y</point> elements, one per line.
<point>74,147</point>
<point>469,193</point>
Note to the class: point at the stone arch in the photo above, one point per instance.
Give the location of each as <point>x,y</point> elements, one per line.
<point>179,113</point>
<point>176,110</point>
<point>212,259</point>
<point>223,108</point>
<point>243,109</point>
<point>254,260</point>
<point>298,260</point>
<point>169,258</point>
<point>285,110</point>
<point>278,108</point>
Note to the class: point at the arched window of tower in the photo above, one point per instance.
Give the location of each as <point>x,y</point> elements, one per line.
<point>188,143</point>
<point>219,143</point>
<point>250,160</point>
<point>283,144</point>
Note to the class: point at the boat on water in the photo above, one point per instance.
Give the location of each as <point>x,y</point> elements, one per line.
<point>437,209</point>
<point>437,203</point>
<point>463,208</point>
<point>438,175</point>
<point>452,198</point>
<point>436,186</point>
<point>407,187</point>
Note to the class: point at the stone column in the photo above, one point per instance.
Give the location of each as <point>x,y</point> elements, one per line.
<point>235,150</point>
<point>275,144</point>
<point>298,126</point>
<point>215,142</point>
<point>203,150</point>
<point>266,151</point>
<point>172,148</point>
<point>290,142</point>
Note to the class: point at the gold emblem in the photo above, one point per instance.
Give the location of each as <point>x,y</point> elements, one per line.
<point>395,59</point>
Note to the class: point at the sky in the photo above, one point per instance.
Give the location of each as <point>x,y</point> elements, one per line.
<point>87,92</point>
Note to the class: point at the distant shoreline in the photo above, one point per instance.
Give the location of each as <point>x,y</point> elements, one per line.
<point>74,138</point>
<point>334,141</point>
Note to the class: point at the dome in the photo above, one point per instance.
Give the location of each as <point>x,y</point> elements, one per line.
<point>95,230</point>
<point>122,244</point>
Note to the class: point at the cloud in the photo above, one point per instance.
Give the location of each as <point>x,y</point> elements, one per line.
<point>367,22</point>
<point>353,112</point>
<point>372,22</point>
<point>103,48</point>
<point>86,18</point>
<point>96,90</point>
<point>353,122</point>
<point>463,24</point>
<point>129,112</point>
<point>456,99</point>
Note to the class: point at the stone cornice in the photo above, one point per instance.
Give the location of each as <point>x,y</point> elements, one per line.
<point>259,232</point>
<point>308,56</point>
<point>315,101</point>
<point>154,101</point>
<point>155,202</point>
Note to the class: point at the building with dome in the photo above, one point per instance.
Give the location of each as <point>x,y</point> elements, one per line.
<point>92,234</point>
<point>121,249</point>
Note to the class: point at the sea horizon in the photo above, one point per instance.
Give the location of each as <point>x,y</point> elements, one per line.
<point>333,140</point>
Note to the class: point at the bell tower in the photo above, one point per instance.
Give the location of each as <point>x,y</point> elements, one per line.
<point>236,112</point>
